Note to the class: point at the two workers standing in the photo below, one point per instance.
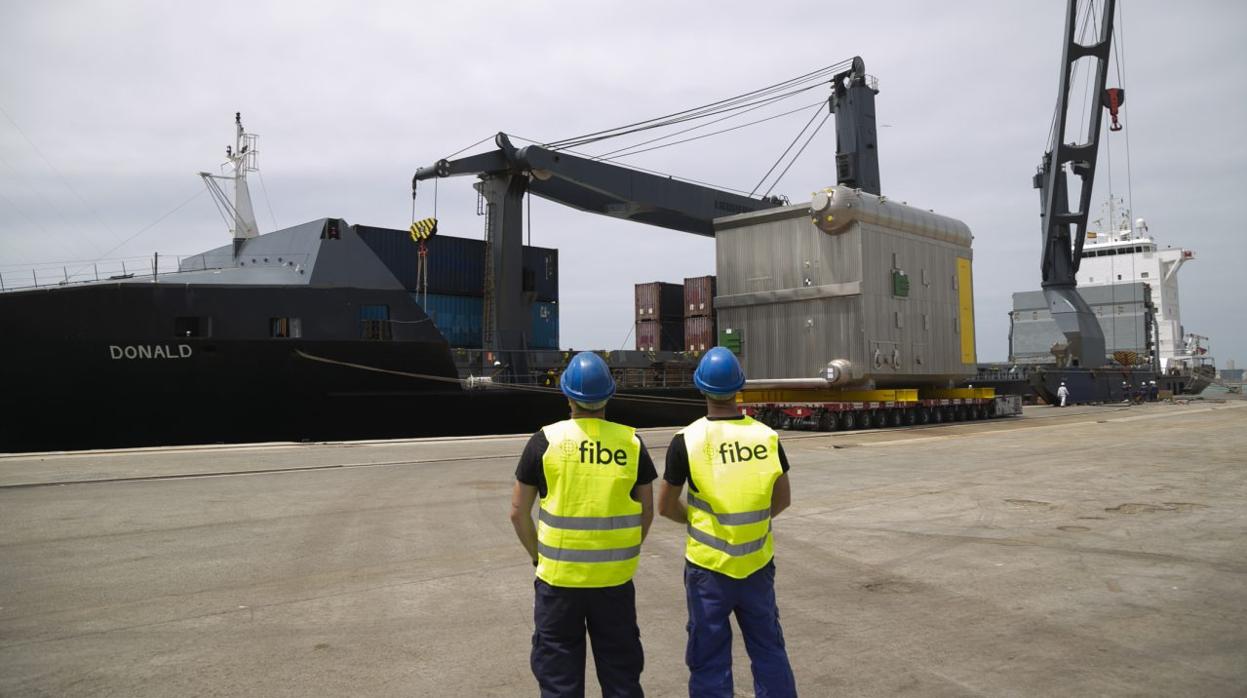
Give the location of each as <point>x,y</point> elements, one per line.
<point>593,478</point>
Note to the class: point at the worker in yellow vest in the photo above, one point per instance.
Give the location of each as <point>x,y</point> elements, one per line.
<point>737,479</point>
<point>593,478</point>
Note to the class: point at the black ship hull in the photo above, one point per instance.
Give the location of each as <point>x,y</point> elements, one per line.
<point>102,366</point>
<point>1110,384</point>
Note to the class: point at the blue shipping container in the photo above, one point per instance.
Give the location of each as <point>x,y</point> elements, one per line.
<point>456,266</point>
<point>545,327</point>
<point>459,318</point>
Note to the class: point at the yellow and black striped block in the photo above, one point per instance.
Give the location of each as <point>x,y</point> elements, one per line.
<point>423,229</point>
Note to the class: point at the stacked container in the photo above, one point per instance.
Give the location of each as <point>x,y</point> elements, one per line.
<point>699,319</point>
<point>456,283</point>
<point>659,317</point>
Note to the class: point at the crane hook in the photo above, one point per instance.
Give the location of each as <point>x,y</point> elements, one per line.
<point>1115,96</point>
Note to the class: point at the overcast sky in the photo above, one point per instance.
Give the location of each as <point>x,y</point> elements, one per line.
<point>117,105</point>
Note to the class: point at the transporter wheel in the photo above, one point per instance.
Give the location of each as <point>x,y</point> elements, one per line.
<point>848,420</point>
<point>948,414</point>
<point>922,415</point>
<point>879,419</point>
<point>935,415</point>
<point>896,417</point>
<point>827,421</point>
<point>910,417</point>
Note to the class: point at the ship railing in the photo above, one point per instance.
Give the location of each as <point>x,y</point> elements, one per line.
<point>18,277</point>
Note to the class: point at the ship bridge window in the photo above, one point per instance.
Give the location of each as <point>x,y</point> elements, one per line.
<point>285,327</point>
<point>374,322</point>
<point>192,326</point>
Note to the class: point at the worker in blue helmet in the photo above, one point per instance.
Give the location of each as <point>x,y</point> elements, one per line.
<point>737,477</point>
<point>593,479</point>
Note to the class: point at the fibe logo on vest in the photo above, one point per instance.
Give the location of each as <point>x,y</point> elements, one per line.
<point>593,452</point>
<point>736,453</point>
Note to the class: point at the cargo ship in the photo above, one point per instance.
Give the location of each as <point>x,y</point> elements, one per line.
<point>320,331</point>
<point>302,333</point>
<point>1131,283</point>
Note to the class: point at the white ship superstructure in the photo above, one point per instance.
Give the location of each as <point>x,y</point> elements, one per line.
<point>1129,254</point>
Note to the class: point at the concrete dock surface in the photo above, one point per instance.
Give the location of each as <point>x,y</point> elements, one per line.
<point>1069,552</point>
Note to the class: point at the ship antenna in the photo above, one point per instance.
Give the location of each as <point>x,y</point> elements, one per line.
<point>241,158</point>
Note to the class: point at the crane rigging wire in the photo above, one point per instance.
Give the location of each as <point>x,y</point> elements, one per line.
<point>717,107</point>
<point>1120,28</point>
<point>1121,82</point>
<point>724,110</point>
<point>798,155</point>
<point>707,135</point>
<point>785,153</point>
<point>671,122</point>
<point>607,155</point>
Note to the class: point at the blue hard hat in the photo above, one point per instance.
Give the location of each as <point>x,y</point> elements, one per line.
<point>719,374</point>
<point>587,379</point>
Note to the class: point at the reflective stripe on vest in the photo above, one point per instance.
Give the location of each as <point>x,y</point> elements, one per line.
<point>589,527</point>
<point>589,523</point>
<point>733,549</point>
<point>747,517</point>
<point>734,465</point>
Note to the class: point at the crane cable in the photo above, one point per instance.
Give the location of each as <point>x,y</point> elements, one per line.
<point>735,108</point>
<point>786,151</point>
<point>798,155</point>
<point>488,385</point>
<point>612,155</point>
<point>1120,30</point>
<point>692,111</point>
<point>729,104</point>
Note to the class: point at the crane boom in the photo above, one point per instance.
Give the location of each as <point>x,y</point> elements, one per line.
<point>507,173</point>
<point>1065,231</point>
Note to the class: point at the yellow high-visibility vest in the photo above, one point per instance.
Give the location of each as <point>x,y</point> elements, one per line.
<point>589,527</point>
<point>734,464</point>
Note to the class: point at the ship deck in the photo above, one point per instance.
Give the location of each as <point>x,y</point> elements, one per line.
<point>1083,551</point>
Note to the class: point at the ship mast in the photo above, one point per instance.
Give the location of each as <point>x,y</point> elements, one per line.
<point>241,158</point>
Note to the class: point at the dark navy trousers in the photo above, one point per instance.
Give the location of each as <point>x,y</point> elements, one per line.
<point>561,615</point>
<point>712,598</point>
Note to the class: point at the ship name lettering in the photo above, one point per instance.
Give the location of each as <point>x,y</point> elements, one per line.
<point>149,351</point>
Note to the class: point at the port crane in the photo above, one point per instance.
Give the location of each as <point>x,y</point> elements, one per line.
<point>508,172</point>
<point>1085,364</point>
<point>1065,230</point>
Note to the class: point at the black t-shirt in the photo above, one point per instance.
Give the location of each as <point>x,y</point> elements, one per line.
<point>676,471</point>
<point>531,472</point>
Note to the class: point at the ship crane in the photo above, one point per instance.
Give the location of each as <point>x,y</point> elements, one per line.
<point>507,173</point>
